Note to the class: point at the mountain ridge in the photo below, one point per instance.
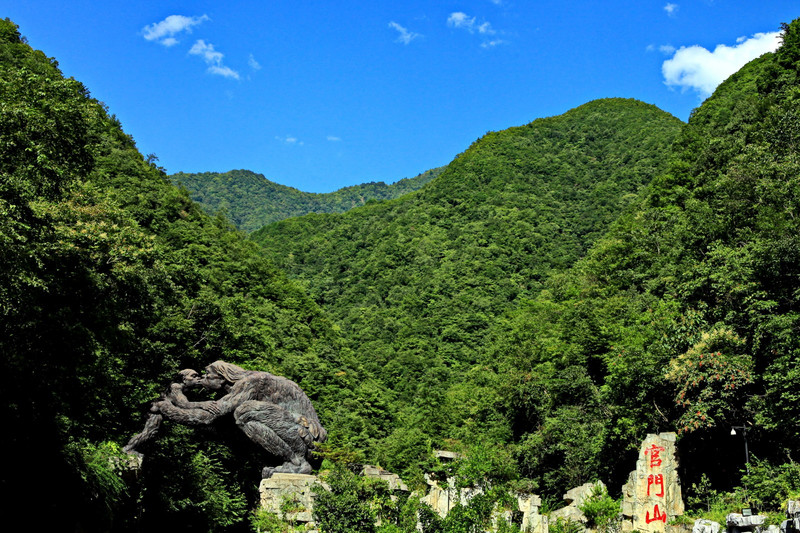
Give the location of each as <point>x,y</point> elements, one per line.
<point>251,201</point>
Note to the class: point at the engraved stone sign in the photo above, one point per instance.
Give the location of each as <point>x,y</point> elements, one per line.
<point>652,495</point>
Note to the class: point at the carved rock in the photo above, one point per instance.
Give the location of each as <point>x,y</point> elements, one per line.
<point>652,495</point>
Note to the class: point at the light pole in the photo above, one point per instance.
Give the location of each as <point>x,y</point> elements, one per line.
<point>746,452</point>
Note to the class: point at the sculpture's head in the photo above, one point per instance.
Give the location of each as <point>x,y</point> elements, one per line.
<point>190,378</point>
<point>220,373</point>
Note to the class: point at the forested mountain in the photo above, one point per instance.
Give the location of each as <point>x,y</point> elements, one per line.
<point>466,299</point>
<point>416,284</point>
<point>685,315</point>
<point>250,200</point>
<point>111,279</point>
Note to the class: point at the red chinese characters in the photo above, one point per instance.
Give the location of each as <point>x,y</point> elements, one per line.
<point>655,483</point>
<point>657,515</point>
<point>655,455</point>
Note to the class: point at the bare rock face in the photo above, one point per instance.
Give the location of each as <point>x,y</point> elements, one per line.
<point>652,495</point>
<point>444,499</point>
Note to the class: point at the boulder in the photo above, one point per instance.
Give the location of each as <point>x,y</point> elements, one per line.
<point>705,526</point>
<point>738,521</point>
<point>575,498</point>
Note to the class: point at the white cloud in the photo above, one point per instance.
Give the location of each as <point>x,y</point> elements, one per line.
<point>290,139</point>
<point>465,22</point>
<point>405,36</point>
<point>694,67</point>
<point>671,9</point>
<point>666,49</point>
<point>492,43</point>
<point>223,71</point>
<point>213,59</point>
<point>163,32</point>
<point>462,21</point>
<point>255,65</point>
<point>334,138</point>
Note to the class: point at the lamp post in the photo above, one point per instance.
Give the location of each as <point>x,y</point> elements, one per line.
<point>746,452</point>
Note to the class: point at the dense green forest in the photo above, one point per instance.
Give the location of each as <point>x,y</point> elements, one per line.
<point>558,291</point>
<point>417,284</point>
<point>111,279</point>
<point>250,201</point>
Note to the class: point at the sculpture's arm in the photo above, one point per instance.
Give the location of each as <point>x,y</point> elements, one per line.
<point>177,397</point>
<point>198,413</point>
<point>149,432</point>
<point>192,417</point>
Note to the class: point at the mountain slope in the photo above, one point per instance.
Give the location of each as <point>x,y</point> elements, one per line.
<point>684,317</point>
<point>250,200</point>
<point>415,283</point>
<point>111,279</point>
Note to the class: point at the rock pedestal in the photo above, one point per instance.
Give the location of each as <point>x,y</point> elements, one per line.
<point>652,495</point>
<point>289,496</point>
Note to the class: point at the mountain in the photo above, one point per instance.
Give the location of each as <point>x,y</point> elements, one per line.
<point>416,283</point>
<point>112,279</point>
<point>250,200</point>
<point>683,317</point>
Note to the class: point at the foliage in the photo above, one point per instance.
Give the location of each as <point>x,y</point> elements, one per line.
<point>705,502</point>
<point>251,201</point>
<point>769,486</point>
<point>346,506</point>
<point>565,525</point>
<point>600,509</point>
<point>709,381</point>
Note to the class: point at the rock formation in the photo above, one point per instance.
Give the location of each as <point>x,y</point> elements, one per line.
<point>652,495</point>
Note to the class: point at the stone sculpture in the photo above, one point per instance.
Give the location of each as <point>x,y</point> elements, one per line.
<point>272,411</point>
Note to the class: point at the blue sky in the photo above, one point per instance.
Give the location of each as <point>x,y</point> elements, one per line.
<point>320,95</point>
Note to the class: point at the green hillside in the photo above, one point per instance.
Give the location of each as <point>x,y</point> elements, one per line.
<point>111,279</point>
<point>250,200</point>
<point>415,284</point>
<point>684,317</point>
